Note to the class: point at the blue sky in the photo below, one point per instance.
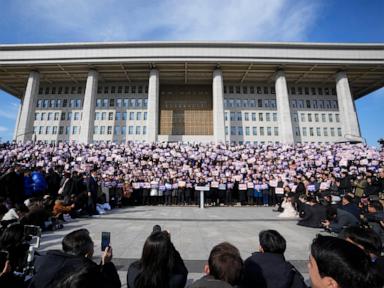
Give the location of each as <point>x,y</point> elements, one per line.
<point>41,21</point>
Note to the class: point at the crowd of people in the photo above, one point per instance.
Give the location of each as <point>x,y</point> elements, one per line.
<point>334,187</point>
<point>347,261</point>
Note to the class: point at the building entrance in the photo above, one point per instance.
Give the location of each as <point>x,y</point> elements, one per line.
<point>186,110</point>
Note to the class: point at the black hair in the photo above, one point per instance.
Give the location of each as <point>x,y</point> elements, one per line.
<point>272,241</point>
<point>225,263</point>
<point>331,212</point>
<point>156,261</point>
<point>346,263</point>
<point>367,238</point>
<point>13,235</point>
<point>21,208</point>
<point>78,243</point>
<point>86,277</point>
<point>377,205</point>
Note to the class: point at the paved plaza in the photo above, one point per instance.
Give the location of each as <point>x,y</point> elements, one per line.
<point>194,232</point>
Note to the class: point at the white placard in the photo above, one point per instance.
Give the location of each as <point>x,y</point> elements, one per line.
<point>202,188</point>
<point>242,186</point>
<point>279,190</point>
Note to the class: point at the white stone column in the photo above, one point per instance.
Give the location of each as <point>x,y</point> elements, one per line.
<point>25,125</point>
<point>283,110</point>
<point>218,106</point>
<point>153,106</point>
<point>88,120</point>
<point>17,120</point>
<point>349,121</point>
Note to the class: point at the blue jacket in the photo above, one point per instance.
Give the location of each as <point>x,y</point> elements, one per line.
<point>39,183</point>
<point>28,186</point>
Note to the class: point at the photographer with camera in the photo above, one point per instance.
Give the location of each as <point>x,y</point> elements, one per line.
<point>56,266</point>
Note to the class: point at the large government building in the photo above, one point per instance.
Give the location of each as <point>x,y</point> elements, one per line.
<point>190,91</point>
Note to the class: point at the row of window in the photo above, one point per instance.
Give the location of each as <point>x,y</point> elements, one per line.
<point>54,130</point>
<point>263,131</point>
<point>126,103</point>
<point>315,104</point>
<point>271,90</point>
<point>58,103</point>
<point>246,116</point>
<point>121,116</point>
<point>132,130</point>
<point>271,103</point>
<point>58,116</point>
<point>60,90</point>
<point>315,117</point>
<point>122,89</point>
<point>100,103</point>
<point>101,130</point>
<point>106,89</point>
<point>311,131</point>
<point>237,103</point>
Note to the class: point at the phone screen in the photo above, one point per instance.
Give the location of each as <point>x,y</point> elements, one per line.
<point>105,240</point>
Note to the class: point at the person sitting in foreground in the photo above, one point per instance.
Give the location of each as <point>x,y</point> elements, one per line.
<point>336,263</point>
<point>77,253</point>
<point>268,267</point>
<point>224,268</point>
<point>160,265</point>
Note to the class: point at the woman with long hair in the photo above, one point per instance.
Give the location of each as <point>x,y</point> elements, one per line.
<point>160,265</point>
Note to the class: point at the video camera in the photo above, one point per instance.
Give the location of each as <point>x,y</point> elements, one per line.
<point>33,236</point>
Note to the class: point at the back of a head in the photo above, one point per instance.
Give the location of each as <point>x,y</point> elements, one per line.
<point>367,239</point>
<point>377,205</point>
<point>272,241</point>
<point>12,236</point>
<point>331,213</point>
<point>156,261</point>
<point>78,243</point>
<point>87,277</point>
<point>225,263</point>
<point>346,263</point>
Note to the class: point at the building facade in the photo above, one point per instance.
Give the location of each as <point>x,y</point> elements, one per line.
<point>190,91</point>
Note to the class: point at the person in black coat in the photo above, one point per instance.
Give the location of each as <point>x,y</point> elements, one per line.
<point>12,185</point>
<point>312,214</point>
<point>349,206</point>
<point>345,183</point>
<point>53,181</point>
<point>160,265</point>
<point>268,267</point>
<point>55,266</point>
<point>338,219</point>
<point>92,188</point>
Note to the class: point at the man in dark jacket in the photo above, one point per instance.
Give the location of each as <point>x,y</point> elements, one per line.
<point>338,219</point>
<point>224,268</point>
<point>53,181</point>
<point>12,185</point>
<point>312,214</point>
<point>268,267</point>
<point>345,183</point>
<point>349,206</point>
<point>56,265</point>
<point>92,188</point>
